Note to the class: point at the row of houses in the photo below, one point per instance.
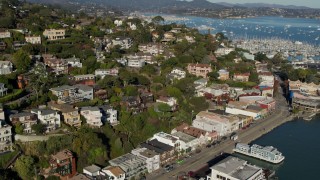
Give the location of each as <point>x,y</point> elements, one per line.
<point>54,114</point>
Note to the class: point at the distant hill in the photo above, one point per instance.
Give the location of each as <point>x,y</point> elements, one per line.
<point>259,5</point>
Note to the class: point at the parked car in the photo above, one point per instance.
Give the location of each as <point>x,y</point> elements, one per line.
<point>168,168</point>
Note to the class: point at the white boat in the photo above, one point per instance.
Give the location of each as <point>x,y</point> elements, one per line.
<point>267,153</point>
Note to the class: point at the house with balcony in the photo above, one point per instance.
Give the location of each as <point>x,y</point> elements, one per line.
<point>92,115</point>
<point>152,158</point>
<point>72,94</point>
<point>5,136</point>
<point>109,114</point>
<point>63,165</point>
<point>50,118</point>
<point>132,165</point>
<point>69,115</point>
<point>26,119</point>
<point>85,79</point>
<point>199,69</point>
<point>152,48</point>
<point>54,34</point>
<point>58,66</point>
<point>5,67</point>
<point>177,73</point>
<point>33,39</point>
<point>123,42</point>
<point>106,72</point>
<point>136,62</point>
<point>74,62</point>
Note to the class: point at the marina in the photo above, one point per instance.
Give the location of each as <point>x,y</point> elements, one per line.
<point>267,153</point>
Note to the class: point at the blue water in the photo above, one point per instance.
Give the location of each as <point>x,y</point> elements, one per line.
<point>300,144</point>
<point>295,29</point>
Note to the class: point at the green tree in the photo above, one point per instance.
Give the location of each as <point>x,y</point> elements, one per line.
<point>18,128</point>
<point>21,61</point>
<point>25,167</point>
<point>38,128</point>
<point>157,19</point>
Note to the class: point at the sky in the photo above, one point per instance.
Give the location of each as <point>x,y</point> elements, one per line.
<point>308,3</point>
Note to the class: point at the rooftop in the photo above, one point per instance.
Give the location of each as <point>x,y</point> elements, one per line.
<point>115,170</point>
<point>62,155</point>
<point>184,137</point>
<point>236,168</point>
<point>92,169</point>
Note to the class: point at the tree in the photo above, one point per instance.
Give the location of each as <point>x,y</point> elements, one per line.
<point>254,77</point>
<point>38,128</point>
<point>22,61</point>
<point>25,167</point>
<point>18,128</point>
<point>157,19</point>
<point>213,76</point>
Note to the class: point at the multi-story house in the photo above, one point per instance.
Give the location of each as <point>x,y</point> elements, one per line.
<point>132,103</point>
<point>113,172</point>
<point>33,39</point>
<point>110,115</point>
<point>26,119</point>
<point>92,115</point>
<point>177,73</point>
<point>74,62</point>
<point>199,69</point>
<point>242,77</point>
<point>136,62</point>
<point>167,139</point>
<point>86,79</point>
<point>63,164</point>
<point>5,67</point>
<point>187,143</point>
<point>3,89</point>
<point>5,34</point>
<point>106,72</point>
<point>131,164</point>
<point>223,74</point>
<point>152,48</point>
<point>54,34</point>
<point>58,66</point>
<point>5,136</point>
<point>70,115</point>
<point>73,94</point>
<point>48,117</point>
<point>152,158</point>
<point>123,42</point>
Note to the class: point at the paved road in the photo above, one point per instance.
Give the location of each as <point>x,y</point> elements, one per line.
<point>260,127</point>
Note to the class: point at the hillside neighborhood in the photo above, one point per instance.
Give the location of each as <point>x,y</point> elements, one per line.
<point>120,97</point>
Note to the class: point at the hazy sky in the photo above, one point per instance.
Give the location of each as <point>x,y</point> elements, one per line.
<point>308,3</point>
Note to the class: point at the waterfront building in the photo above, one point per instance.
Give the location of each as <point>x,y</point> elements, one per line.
<point>234,168</point>
<point>243,108</point>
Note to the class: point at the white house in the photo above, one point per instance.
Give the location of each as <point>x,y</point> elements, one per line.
<point>113,172</point>
<point>236,107</point>
<point>48,117</point>
<point>234,168</point>
<point>104,72</point>
<point>5,67</point>
<point>136,62</point>
<point>118,22</point>
<point>5,136</point>
<point>124,43</point>
<point>187,142</point>
<point>177,73</point>
<point>110,115</point>
<point>167,139</point>
<point>5,34</point>
<point>3,89</point>
<point>74,62</point>
<point>33,39</point>
<point>92,170</point>
<point>151,157</point>
<point>92,115</point>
